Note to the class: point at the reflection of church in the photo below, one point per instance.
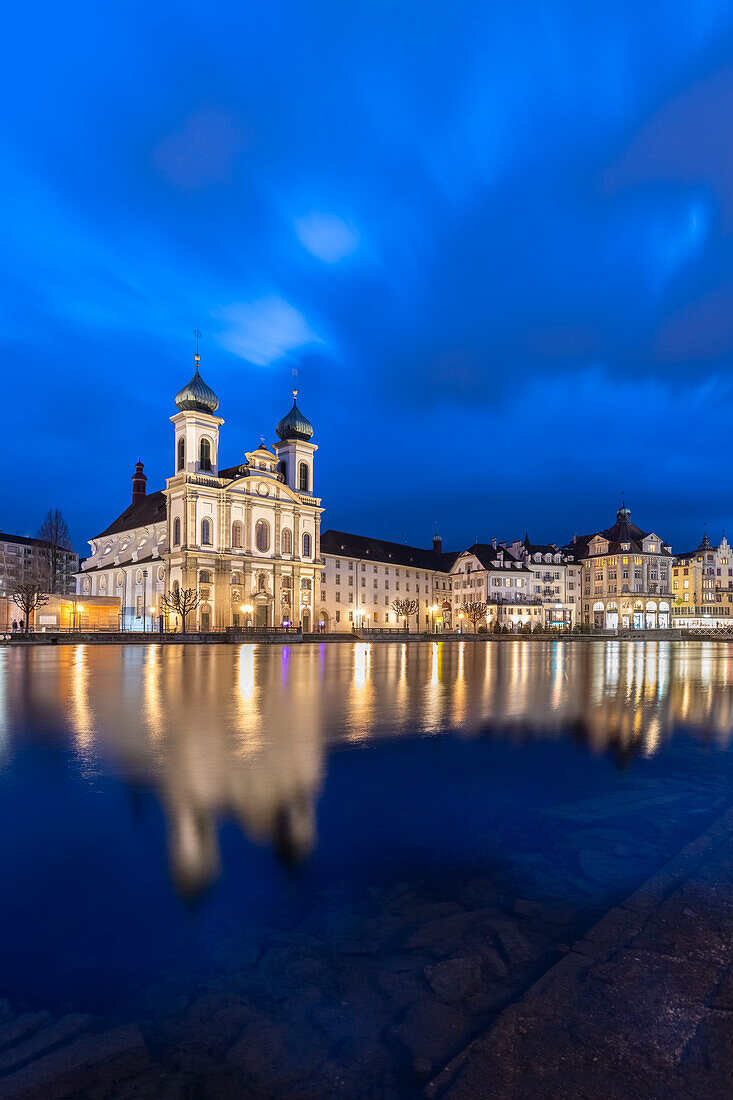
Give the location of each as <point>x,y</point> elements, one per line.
<point>246,537</point>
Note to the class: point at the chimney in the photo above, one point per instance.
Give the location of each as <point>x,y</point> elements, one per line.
<point>575,539</point>
<point>437,544</point>
<point>493,542</point>
<point>138,483</point>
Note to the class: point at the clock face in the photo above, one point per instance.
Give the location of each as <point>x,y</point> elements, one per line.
<point>263,489</point>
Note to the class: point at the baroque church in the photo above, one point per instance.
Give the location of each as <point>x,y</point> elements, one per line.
<point>246,537</point>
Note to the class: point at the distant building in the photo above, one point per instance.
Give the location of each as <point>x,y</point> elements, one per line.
<point>362,577</point>
<point>627,576</point>
<point>556,581</point>
<point>494,575</point>
<point>26,559</point>
<point>702,586</point>
<point>245,538</point>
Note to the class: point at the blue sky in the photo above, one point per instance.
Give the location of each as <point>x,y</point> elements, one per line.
<point>495,241</point>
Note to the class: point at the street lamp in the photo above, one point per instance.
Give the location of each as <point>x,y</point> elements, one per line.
<point>433,608</point>
<point>247,609</point>
<point>78,608</point>
<point>460,628</point>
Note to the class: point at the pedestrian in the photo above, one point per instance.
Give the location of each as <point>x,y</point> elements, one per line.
<point>15,624</point>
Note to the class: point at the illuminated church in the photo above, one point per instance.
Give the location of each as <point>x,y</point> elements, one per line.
<point>246,537</point>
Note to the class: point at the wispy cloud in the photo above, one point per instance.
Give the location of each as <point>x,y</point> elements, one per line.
<point>264,330</point>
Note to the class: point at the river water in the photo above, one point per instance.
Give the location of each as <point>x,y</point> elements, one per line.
<point>262,853</point>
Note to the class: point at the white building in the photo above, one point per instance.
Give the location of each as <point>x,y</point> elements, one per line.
<point>493,575</point>
<point>556,581</point>
<point>246,537</point>
<point>362,578</point>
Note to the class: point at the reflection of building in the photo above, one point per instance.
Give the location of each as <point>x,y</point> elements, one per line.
<point>702,586</point>
<point>626,576</point>
<point>497,577</point>
<point>364,576</point>
<point>246,538</point>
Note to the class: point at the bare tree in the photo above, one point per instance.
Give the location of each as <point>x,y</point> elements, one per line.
<point>181,602</point>
<point>475,611</point>
<point>55,530</point>
<point>405,608</point>
<point>28,596</point>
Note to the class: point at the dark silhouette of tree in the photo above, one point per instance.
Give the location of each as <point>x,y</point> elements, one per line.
<point>181,602</point>
<point>54,529</point>
<point>28,596</point>
<point>406,607</point>
<point>475,611</point>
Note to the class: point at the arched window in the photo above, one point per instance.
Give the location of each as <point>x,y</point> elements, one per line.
<point>181,453</point>
<point>237,534</point>
<point>282,469</point>
<point>305,584</point>
<point>303,477</point>
<point>205,457</point>
<point>286,541</point>
<point>205,577</point>
<point>176,587</point>
<point>306,545</point>
<point>176,532</point>
<point>206,532</point>
<point>262,535</point>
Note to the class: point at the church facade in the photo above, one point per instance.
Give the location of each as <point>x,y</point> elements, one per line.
<point>246,537</point>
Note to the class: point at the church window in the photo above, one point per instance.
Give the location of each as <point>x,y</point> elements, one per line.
<point>176,532</point>
<point>181,453</point>
<point>287,582</point>
<point>206,532</point>
<point>237,534</point>
<point>262,536</point>
<point>303,477</point>
<point>305,584</point>
<point>306,545</point>
<point>205,455</point>
<point>286,541</point>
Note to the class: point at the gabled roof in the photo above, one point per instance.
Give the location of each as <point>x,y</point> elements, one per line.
<point>43,544</point>
<point>141,514</point>
<point>391,553</point>
<point>623,531</point>
<point>491,557</point>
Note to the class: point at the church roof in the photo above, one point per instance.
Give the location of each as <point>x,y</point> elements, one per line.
<point>151,509</point>
<point>196,396</point>
<point>392,553</point>
<point>294,425</point>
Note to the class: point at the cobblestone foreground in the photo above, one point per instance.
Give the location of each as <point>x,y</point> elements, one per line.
<point>641,1006</point>
<point>485,991</point>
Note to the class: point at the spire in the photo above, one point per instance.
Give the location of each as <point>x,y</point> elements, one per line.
<point>197,396</point>
<point>624,514</point>
<point>138,483</point>
<point>705,543</point>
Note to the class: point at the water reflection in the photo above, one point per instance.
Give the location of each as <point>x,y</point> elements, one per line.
<point>242,733</point>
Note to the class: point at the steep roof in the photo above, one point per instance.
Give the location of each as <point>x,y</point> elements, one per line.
<point>25,540</point>
<point>144,512</point>
<point>623,530</point>
<point>491,557</point>
<point>394,553</point>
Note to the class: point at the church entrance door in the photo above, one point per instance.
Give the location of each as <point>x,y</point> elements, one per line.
<point>261,614</point>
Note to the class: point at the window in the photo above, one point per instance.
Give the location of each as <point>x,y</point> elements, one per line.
<point>305,584</point>
<point>176,532</point>
<point>306,545</point>
<point>237,534</point>
<point>262,535</point>
<point>286,541</point>
<point>206,532</point>
<point>303,477</point>
<point>205,455</point>
<point>181,453</point>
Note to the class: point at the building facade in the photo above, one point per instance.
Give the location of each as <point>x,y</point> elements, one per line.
<point>362,578</point>
<point>556,581</point>
<point>25,559</point>
<point>626,576</point>
<point>702,586</point>
<point>494,575</point>
<point>245,538</point>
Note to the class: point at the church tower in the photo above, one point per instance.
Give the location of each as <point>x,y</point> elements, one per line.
<point>196,427</point>
<point>295,451</point>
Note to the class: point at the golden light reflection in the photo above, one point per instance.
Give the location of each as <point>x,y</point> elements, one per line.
<point>242,732</point>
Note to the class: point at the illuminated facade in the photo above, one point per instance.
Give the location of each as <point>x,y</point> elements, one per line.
<point>362,577</point>
<point>245,537</point>
<point>702,586</point>
<point>626,576</point>
<point>494,575</point>
<point>556,582</point>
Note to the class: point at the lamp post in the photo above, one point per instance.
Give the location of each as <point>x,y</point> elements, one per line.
<point>433,609</point>
<point>460,626</point>
<point>247,609</point>
<point>78,608</point>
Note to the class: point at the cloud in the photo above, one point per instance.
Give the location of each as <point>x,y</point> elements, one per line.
<point>326,236</point>
<point>264,330</point>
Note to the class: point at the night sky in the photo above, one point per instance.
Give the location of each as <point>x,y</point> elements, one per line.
<point>494,239</point>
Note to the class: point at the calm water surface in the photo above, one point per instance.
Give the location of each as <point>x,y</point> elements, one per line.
<point>278,821</point>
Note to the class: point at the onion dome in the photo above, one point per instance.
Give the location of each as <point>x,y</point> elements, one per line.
<point>294,425</point>
<point>624,513</point>
<point>197,396</point>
